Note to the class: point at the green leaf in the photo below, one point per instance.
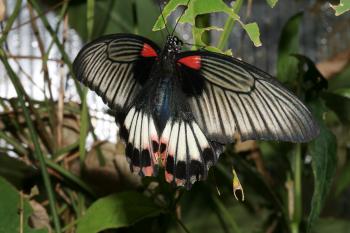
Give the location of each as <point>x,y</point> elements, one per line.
<point>343,181</point>
<point>339,104</point>
<point>272,3</point>
<point>343,6</point>
<point>116,211</point>
<point>200,7</point>
<point>195,8</point>
<point>253,32</point>
<point>17,172</point>
<point>323,151</point>
<point>13,208</point>
<point>341,80</point>
<point>332,225</point>
<point>287,66</point>
<point>345,92</point>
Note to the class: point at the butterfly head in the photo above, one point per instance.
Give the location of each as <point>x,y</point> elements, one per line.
<point>173,44</point>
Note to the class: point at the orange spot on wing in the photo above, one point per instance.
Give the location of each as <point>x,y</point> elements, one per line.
<point>147,171</point>
<point>148,51</point>
<point>169,177</point>
<point>193,62</point>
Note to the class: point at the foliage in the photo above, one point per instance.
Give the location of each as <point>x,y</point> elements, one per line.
<point>15,211</point>
<point>43,157</point>
<point>120,210</point>
<point>342,7</point>
<point>197,7</point>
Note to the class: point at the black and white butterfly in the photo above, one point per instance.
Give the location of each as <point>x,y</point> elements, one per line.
<point>173,107</point>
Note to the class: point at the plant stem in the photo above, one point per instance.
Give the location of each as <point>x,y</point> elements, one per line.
<point>184,228</point>
<point>230,23</point>
<point>34,136</point>
<point>59,45</point>
<point>10,21</point>
<point>84,127</point>
<point>70,176</point>
<point>90,17</point>
<point>297,191</point>
<point>226,215</point>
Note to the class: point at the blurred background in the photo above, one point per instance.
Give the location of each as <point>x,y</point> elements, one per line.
<point>61,158</point>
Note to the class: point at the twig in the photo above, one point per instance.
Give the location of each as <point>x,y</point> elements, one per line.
<point>30,57</point>
<point>36,17</point>
<point>35,139</point>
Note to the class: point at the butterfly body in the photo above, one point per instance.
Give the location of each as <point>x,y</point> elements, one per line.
<point>173,107</point>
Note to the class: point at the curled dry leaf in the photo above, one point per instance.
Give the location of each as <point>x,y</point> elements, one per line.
<point>115,171</point>
<point>334,65</point>
<point>237,187</point>
<point>39,218</point>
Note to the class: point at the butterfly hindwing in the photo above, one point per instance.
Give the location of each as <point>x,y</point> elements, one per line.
<point>228,95</point>
<point>141,137</point>
<point>116,66</point>
<point>185,152</point>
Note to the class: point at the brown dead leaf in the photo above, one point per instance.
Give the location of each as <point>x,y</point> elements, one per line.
<point>39,218</point>
<point>334,65</point>
<point>114,175</point>
<point>2,10</point>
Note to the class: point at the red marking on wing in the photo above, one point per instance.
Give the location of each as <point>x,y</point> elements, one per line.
<point>148,51</point>
<point>169,177</point>
<point>193,62</point>
<point>147,171</point>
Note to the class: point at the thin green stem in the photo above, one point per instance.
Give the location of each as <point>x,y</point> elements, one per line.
<point>75,179</point>
<point>226,215</point>
<point>57,42</point>
<point>182,225</point>
<point>84,127</point>
<point>90,10</point>
<point>65,56</point>
<point>59,20</point>
<point>10,22</point>
<point>12,141</point>
<point>230,23</point>
<point>297,215</point>
<point>70,225</point>
<point>34,137</point>
<point>66,149</point>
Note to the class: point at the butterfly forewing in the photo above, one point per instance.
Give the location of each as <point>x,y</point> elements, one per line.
<point>235,96</point>
<point>116,67</point>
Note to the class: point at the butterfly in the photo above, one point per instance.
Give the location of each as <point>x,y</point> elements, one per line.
<point>176,108</point>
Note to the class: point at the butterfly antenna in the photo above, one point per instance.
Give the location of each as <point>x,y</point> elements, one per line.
<point>161,12</point>
<point>188,2</point>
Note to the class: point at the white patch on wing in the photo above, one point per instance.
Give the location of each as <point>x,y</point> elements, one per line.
<point>132,128</point>
<point>152,131</point>
<point>173,138</point>
<point>166,133</point>
<point>138,133</point>
<point>129,118</point>
<point>192,144</point>
<point>182,144</point>
<point>145,133</point>
<point>202,140</point>
<point>141,132</point>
